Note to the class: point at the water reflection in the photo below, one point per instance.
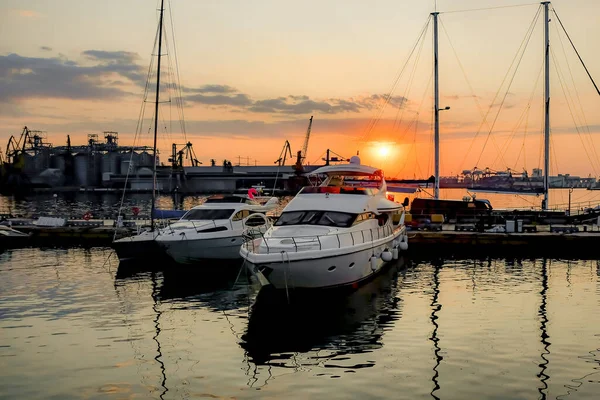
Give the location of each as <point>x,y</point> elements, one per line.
<point>435,309</point>
<point>321,329</point>
<point>543,332</point>
<point>159,356</point>
<point>222,286</point>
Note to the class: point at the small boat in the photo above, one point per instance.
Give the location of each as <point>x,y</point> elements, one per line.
<point>215,229</point>
<point>11,238</point>
<point>336,234</point>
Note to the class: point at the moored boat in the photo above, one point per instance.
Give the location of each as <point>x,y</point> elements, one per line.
<point>336,234</point>
<point>215,229</point>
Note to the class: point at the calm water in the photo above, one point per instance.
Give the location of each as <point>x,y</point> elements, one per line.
<point>74,325</point>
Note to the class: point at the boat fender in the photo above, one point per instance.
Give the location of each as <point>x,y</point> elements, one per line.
<point>403,246</point>
<point>386,255</point>
<point>395,253</point>
<point>373,263</point>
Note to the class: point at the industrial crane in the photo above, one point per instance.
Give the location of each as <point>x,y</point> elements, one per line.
<point>305,146</point>
<point>176,159</point>
<point>283,154</point>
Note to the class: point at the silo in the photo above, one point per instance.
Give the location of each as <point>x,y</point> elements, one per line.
<point>28,164</point>
<point>125,164</point>
<point>146,159</point>
<point>95,172</point>
<point>110,162</point>
<point>81,169</point>
<point>42,160</point>
<point>58,161</point>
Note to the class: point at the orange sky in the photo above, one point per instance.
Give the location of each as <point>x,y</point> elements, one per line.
<point>251,79</point>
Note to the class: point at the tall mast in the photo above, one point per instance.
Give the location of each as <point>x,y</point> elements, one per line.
<point>436,109</point>
<point>546,106</point>
<point>160,29</point>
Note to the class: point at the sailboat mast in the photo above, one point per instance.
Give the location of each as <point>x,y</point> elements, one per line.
<point>160,30</point>
<point>545,202</point>
<point>436,109</point>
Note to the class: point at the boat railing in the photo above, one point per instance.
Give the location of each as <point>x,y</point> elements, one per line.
<point>256,242</point>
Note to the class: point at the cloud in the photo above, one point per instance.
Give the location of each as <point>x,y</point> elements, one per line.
<point>45,48</point>
<point>57,77</point>
<point>115,57</point>
<point>239,100</point>
<point>104,75</point>
<point>210,89</point>
<point>294,105</point>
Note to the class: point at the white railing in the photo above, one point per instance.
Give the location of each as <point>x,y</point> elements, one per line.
<point>256,242</point>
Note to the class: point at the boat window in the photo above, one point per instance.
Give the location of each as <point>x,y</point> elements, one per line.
<point>214,229</point>
<point>240,215</point>
<point>208,214</point>
<point>255,220</point>
<point>327,218</point>
<point>364,217</point>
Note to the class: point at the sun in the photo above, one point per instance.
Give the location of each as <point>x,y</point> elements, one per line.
<point>383,150</point>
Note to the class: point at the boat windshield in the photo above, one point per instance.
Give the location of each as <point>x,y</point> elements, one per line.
<point>208,214</point>
<point>327,218</point>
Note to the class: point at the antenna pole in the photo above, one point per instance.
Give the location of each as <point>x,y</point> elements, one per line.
<point>545,202</point>
<point>160,30</point>
<point>436,110</point>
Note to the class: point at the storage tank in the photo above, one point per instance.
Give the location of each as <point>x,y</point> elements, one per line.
<point>111,162</point>
<point>42,160</point>
<point>57,161</point>
<point>81,169</point>
<point>146,159</point>
<point>125,165</point>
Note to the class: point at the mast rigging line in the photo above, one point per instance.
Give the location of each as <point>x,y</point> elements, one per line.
<point>374,120</point>
<point>488,8</point>
<point>576,52</point>
<point>139,125</point>
<point>479,108</point>
<point>524,114</point>
<point>582,118</point>
<point>530,32</point>
<point>562,85</point>
<point>407,92</point>
<point>524,47</point>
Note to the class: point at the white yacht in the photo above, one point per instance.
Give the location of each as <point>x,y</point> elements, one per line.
<point>336,234</point>
<point>215,229</point>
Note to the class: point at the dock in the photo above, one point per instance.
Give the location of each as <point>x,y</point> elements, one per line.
<point>575,241</point>
<point>551,241</point>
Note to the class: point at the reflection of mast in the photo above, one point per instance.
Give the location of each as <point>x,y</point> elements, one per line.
<point>435,308</point>
<point>544,335</point>
<point>158,357</point>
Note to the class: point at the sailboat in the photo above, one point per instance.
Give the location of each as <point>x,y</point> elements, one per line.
<point>526,186</point>
<point>144,245</point>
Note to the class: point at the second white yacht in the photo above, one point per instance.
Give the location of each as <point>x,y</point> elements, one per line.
<point>215,229</point>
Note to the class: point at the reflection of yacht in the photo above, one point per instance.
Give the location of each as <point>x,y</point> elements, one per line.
<point>320,325</point>
<point>214,229</point>
<point>339,233</point>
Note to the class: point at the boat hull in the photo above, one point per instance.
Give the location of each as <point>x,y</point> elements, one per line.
<point>191,251</point>
<point>349,267</point>
<point>139,247</point>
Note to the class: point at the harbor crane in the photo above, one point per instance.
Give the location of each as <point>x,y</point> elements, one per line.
<point>176,158</point>
<point>305,145</point>
<point>29,141</point>
<point>284,153</point>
